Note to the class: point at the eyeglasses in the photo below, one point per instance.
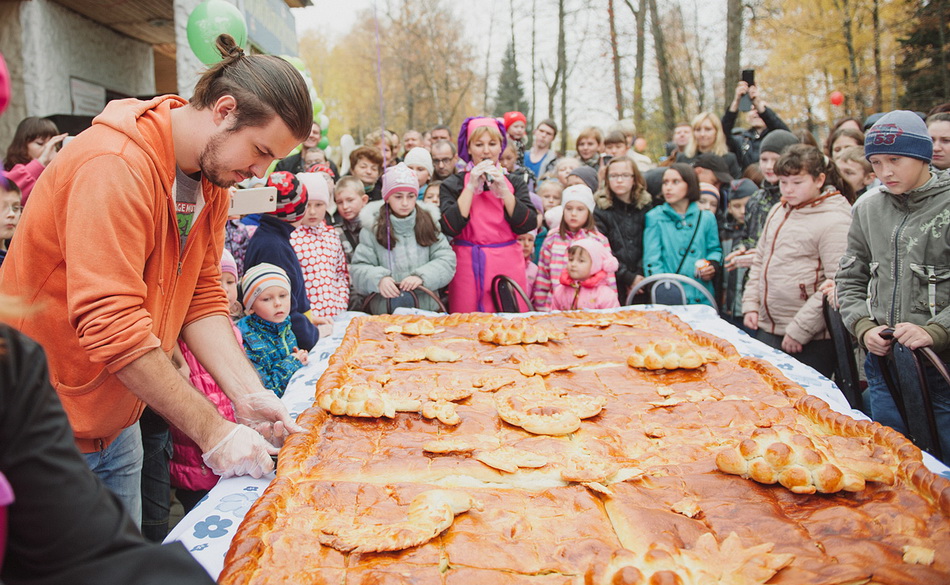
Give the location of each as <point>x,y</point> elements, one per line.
<point>620,176</point>
<point>441,161</point>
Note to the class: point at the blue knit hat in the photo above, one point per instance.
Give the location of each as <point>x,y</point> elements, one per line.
<point>901,133</point>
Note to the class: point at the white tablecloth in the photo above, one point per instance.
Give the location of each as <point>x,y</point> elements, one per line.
<point>208,529</point>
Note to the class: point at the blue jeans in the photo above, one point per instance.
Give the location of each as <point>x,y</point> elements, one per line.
<point>884,410</point>
<point>119,467</point>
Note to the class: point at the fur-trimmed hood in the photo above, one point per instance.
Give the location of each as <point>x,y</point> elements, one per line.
<point>605,200</point>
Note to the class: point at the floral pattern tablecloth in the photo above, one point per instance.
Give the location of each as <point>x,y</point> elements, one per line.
<point>208,529</point>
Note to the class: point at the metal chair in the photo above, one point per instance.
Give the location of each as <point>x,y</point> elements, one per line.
<point>408,299</point>
<point>668,289</point>
<point>505,293</point>
<point>906,379</point>
<point>846,376</point>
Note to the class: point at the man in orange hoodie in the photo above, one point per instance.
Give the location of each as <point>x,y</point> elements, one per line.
<point>119,255</point>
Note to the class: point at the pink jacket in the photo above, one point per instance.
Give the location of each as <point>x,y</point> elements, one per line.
<point>325,273</point>
<point>593,293</point>
<point>25,177</point>
<point>188,470</point>
<point>553,261</point>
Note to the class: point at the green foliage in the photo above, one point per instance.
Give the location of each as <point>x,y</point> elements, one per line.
<point>510,94</point>
<point>925,66</point>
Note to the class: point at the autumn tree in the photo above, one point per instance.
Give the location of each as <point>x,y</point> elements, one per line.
<point>925,66</point>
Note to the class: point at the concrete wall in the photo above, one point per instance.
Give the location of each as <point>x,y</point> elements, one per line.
<point>49,44</point>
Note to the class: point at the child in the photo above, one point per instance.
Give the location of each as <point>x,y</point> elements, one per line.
<point>516,126</point>
<point>10,209</point>
<point>366,164</point>
<point>585,282</point>
<point>939,127</point>
<point>420,161</point>
<point>621,207</point>
<point>708,197</point>
<point>678,236</point>
<point>313,156</point>
<point>189,475</point>
<point>268,338</point>
<point>731,234</point>
<point>271,244</point>
<point>802,241</point>
<point>320,252</point>
<point>350,201</point>
<point>589,144</point>
<point>432,193</point>
<point>509,157</point>
<point>615,144</point>
<point>401,247</point>
<point>855,169</point>
<point>531,269</point>
<point>550,193</point>
<point>563,168</point>
<point>893,274</point>
<point>577,222</point>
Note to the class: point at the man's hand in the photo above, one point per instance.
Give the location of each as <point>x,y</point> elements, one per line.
<point>241,452</point>
<point>751,320</point>
<point>875,343</point>
<point>266,414</point>
<point>742,88</point>
<point>789,345</point>
<point>388,287</point>
<point>411,282</point>
<point>912,336</point>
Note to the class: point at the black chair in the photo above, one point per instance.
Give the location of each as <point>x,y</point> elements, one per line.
<point>846,376</point>
<point>408,299</point>
<point>667,289</point>
<point>505,293</point>
<point>906,379</point>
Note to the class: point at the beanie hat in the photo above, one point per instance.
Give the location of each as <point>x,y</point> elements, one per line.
<point>399,178</point>
<point>600,256</point>
<point>291,196</point>
<point>260,277</point>
<point>512,117</point>
<point>316,185</point>
<point>579,193</point>
<point>228,264</point>
<point>709,189</point>
<point>901,133</point>
<point>742,188</point>
<point>716,164</point>
<point>552,217</point>
<point>586,174</point>
<point>777,141</point>
<point>419,156</point>
<point>321,168</point>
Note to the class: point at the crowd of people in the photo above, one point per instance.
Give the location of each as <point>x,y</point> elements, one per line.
<point>142,289</point>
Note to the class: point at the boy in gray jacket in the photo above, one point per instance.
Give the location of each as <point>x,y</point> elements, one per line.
<point>896,271</point>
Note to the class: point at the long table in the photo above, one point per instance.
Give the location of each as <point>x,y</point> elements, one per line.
<point>208,529</point>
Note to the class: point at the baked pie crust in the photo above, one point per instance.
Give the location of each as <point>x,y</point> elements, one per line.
<point>555,463</point>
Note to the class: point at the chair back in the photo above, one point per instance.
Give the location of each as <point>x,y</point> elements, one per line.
<point>408,299</point>
<point>906,379</point>
<point>506,293</point>
<point>846,376</point>
<point>668,289</point>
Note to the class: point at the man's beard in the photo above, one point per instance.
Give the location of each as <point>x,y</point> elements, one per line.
<point>211,167</point>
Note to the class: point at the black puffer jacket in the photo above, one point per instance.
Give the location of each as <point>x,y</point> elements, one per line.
<point>622,223</point>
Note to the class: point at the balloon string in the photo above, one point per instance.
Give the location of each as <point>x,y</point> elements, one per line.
<point>379,84</point>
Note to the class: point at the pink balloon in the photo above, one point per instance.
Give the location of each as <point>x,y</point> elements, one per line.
<point>4,85</point>
<point>837,98</point>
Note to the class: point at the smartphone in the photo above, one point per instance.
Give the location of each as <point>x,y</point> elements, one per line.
<point>745,102</point>
<point>256,200</point>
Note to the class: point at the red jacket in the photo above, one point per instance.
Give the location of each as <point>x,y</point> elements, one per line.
<point>99,261</point>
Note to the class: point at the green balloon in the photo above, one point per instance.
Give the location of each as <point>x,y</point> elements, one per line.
<point>324,122</point>
<point>297,62</point>
<point>317,107</point>
<point>210,19</point>
<point>324,143</point>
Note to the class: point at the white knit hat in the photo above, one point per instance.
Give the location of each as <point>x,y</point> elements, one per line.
<point>419,156</point>
<point>580,193</point>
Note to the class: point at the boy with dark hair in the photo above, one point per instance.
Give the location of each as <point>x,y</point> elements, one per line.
<point>893,274</point>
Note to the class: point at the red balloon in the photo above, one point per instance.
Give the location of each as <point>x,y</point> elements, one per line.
<point>837,98</point>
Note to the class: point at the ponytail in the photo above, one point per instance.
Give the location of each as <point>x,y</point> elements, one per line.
<point>808,159</point>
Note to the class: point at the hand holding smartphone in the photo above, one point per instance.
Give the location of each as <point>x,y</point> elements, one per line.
<point>745,102</point>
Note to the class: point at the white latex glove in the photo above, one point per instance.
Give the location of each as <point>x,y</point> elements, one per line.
<point>266,414</point>
<point>242,452</point>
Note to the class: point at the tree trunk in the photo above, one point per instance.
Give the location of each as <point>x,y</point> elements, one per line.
<point>844,6</point>
<point>641,16</point>
<point>663,67</point>
<point>491,26</point>
<point>615,55</point>
<point>878,75</point>
<point>732,71</point>
<point>534,68</point>
<point>562,70</point>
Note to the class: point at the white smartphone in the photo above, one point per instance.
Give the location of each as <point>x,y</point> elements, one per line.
<point>256,200</point>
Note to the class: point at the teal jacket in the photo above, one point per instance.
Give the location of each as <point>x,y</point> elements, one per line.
<point>897,265</point>
<point>270,346</point>
<point>666,236</point>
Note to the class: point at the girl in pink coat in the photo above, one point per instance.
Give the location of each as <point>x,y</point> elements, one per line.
<point>584,284</point>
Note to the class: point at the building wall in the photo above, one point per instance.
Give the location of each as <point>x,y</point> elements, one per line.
<point>49,44</point>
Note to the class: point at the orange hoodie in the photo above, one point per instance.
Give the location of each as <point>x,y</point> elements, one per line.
<point>97,255</point>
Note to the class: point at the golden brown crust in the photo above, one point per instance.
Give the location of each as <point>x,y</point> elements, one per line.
<point>631,495</point>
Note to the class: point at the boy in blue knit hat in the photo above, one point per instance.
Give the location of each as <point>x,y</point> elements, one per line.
<point>896,271</point>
